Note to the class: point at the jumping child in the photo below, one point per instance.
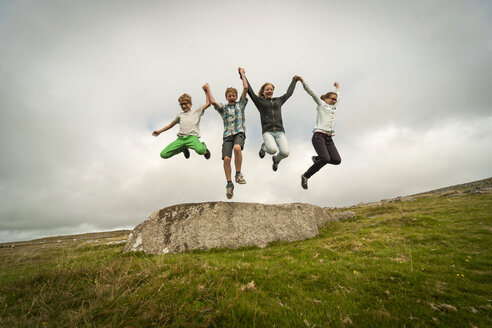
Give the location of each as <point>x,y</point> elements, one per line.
<point>323,132</point>
<point>234,131</point>
<point>189,129</point>
<point>271,120</point>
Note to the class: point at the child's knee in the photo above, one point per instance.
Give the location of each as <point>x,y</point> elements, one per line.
<point>331,160</point>
<point>201,150</point>
<point>237,148</point>
<point>227,160</point>
<point>271,150</point>
<point>165,155</point>
<point>285,152</point>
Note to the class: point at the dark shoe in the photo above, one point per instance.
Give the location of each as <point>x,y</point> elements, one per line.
<point>186,152</point>
<point>229,190</point>
<point>275,164</point>
<point>314,158</point>
<point>304,182</point>
<point>207,154</point>
<point>261,152</point>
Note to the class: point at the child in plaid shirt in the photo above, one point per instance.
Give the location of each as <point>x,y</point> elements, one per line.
<point>232,114</point>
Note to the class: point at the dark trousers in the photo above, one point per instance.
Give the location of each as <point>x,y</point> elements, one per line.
<point>327,153</point>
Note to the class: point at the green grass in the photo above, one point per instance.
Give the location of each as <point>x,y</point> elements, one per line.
<point>421,263</point>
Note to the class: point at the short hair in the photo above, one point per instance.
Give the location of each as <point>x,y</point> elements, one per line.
<point>185,97</point>
<point>260,93</point>
<point>231,89</point>
<point>328,95</point>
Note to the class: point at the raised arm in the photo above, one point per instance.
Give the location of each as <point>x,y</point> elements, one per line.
<point>245,82</point>
<point>167,127</point>
<point>251,93</point>
<point>206,89</point>
<point>289,92</point>
<point>337,87</point>
<point>310,92</point>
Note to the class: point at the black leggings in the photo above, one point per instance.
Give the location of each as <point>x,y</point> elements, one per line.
<point>327,153</point>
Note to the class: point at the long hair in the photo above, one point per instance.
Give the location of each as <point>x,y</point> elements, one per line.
<point>260,93</point>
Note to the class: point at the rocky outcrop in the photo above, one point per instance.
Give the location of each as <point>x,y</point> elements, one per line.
<point>342,216</point>
<point>224,225</point>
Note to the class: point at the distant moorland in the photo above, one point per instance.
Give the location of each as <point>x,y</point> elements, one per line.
<point>418,261</point>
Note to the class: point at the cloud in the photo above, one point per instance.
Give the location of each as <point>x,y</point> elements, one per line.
<point>84,85</point>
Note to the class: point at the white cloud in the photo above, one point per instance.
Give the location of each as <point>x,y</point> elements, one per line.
<point>86,83</point>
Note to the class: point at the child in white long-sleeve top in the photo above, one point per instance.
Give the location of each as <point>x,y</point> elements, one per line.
<point>323,132</point>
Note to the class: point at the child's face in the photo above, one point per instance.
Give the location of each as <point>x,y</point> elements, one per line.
<point>185,105</point>
<point>231,98</point>
<point>331,100</point>
<point>268,91</point>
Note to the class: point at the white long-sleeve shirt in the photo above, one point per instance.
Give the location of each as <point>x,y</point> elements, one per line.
<point>325,120</point>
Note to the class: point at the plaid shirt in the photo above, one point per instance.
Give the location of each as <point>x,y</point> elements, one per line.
<point>233,117</point>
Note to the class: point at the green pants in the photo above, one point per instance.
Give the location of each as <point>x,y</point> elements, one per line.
<point>178,145</point>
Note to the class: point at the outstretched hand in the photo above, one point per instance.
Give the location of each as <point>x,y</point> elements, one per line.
<point>241,70</point>
<point>298,78</point>
<point>155,133</point>
<point>336,85</point>
<point>206,87</point>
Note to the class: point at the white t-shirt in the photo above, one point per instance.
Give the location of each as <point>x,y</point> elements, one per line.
<point>189,122</point>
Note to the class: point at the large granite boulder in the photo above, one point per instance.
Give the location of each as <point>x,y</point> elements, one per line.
<point>224,225</point>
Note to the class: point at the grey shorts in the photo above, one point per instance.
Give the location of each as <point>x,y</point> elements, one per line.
<point>230,141</point>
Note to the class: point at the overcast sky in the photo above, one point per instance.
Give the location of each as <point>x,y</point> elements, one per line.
<point>84,83</point>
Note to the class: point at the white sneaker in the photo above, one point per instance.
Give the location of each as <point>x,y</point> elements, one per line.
<point>240,179</point>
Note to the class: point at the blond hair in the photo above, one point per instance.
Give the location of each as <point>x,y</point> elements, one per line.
<point>260,93</point>
<point>185,97</point>
<point>231,89</point>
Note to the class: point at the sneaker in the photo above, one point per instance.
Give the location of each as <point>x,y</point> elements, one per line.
<point>261,153</point>
<point>229,190</point>
<point>207,154</point>
<point>304,182</point>
<point>240,178</point>
<point>314,158</point>
<point>186,152</point>
<point>275,164</point>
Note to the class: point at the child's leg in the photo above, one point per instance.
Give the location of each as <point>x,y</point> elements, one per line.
<point>238,157</point>
<point>174,148</point>
<point>332,150</point>
<point>194,143</point>
<point>238,147</point>
<point>227,168</point>
<point>269,144</point>
<point>320,144</point>
<point>226,156</point>
<point>283,146</point>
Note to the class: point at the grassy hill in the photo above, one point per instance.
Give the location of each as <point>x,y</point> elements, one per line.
<point>418,261</point>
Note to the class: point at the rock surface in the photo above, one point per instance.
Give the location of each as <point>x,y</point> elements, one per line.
<point>342,216</point>
<point>224,225</point>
